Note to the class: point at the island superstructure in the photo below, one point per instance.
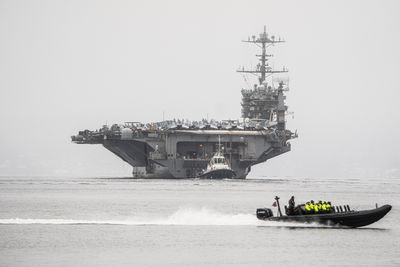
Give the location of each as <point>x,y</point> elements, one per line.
<point>183,148</point>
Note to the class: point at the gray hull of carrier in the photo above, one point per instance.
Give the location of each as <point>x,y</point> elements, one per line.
<point>186,153</point>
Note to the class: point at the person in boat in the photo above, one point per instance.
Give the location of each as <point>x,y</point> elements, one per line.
<point>307,207</point>
<point>323,207</point>
<point>316,208</point>
<point>312,206</point>
<point>291,206</point>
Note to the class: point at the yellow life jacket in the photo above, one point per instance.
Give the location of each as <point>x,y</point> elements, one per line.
<point>307,207</point>
<point>323,206</point>
<point>316,208</point>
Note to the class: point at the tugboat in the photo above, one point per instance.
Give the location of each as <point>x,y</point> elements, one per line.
<point>218,167</point>
<point>341,216</point>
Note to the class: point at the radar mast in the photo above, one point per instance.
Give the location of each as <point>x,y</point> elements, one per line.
<point>263,41</point>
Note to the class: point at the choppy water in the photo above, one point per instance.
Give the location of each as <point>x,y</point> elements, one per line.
<point>126,222</point>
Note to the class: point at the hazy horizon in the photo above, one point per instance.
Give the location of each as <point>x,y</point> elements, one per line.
<point>75,65</point>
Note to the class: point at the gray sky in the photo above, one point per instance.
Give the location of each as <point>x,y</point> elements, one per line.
<point>72,65</point>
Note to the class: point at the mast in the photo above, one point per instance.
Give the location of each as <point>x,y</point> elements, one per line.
<point>263,41</point>
<point>219,145</point>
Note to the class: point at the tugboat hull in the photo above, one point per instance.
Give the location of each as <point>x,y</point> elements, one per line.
<point>351,219</point>
<point>219,174</point>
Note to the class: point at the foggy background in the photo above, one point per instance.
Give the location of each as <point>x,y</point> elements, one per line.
<point>67,66</point>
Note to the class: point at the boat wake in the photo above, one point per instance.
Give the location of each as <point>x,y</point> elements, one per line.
<point>183,216</point>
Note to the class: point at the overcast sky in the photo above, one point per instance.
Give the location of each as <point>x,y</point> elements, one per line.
<point>72,65</point>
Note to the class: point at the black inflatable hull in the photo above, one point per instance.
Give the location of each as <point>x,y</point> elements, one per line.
<point>219,174</point>
<point>350,219</point>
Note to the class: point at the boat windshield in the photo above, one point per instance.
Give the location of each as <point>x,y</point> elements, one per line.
<point>219,160</point>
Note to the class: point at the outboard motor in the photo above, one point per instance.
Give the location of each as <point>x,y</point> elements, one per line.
<point>265,213</point>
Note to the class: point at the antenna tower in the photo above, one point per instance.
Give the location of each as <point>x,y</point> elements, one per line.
<point>263,41</point>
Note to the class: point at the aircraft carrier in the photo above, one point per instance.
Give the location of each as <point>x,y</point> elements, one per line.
<point>183,148</point>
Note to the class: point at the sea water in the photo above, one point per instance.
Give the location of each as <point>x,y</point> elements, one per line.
<point>48,221</point>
